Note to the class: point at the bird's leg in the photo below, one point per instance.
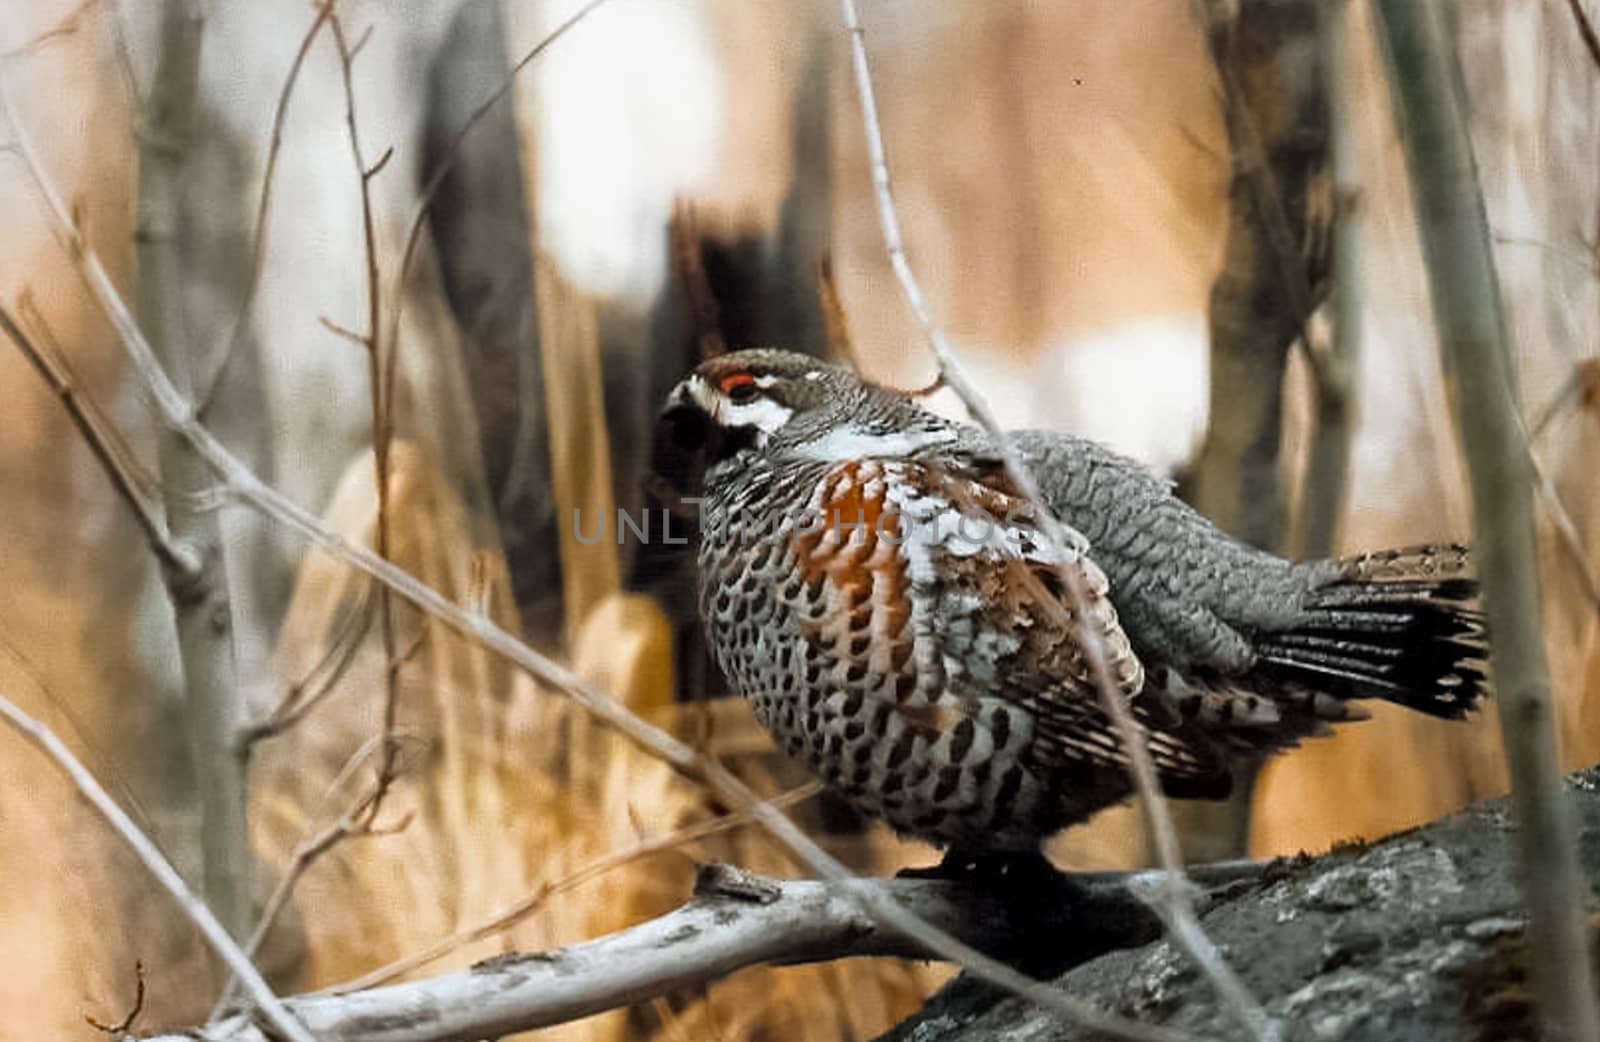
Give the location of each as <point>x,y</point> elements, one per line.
<point>989,867</point>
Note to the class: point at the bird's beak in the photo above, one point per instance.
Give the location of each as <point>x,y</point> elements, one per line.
<point>686,438</point>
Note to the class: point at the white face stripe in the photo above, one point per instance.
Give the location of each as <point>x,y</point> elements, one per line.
<point>762,413</point>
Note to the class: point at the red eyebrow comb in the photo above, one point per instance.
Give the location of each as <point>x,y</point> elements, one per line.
<point>732,380</point>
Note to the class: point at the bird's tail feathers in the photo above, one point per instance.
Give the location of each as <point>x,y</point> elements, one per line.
<point>1401,625</point>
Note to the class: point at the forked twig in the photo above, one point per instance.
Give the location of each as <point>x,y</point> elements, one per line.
<point>355,820</point>
<point>321,680</point>
<point>178,414</point>
<point>381,364</point>
<point>108,448</point>
<point>1173,898</point>
<point>121,1027</point>
<point>193,908</point>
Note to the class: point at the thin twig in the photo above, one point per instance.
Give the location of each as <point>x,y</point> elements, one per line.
<point>1558,401</point>
<point>380,374</point>
<point>192,907</point>
<point>207,387</point>
<point>122,1026</point>
<point>1591,41</point>
<point>322,678</point>
<point>534,900</point>
<point>105,443</point>
<point>65,26</point>
<point>305,854</point>
<point>1428,91</point>
<point>1174,897</point>
<point>178,413</point>
<point>1565,527</point>
<point>684,245</point>
<point>452,154</point>
<point>834,318</point>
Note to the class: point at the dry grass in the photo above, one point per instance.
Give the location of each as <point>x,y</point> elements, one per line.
<point>510,789</point>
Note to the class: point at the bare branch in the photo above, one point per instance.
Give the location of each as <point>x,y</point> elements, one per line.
<point>108,448</point>
<point>736,920</point>
<point>192,907</point>
<point>1581,386</point>
<point>381,366</point>
<point>1591,40</point>
<point>1425,73</point>
<point>1174,896</point>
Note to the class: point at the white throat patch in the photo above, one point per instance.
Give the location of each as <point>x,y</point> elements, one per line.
<point>850,442</point>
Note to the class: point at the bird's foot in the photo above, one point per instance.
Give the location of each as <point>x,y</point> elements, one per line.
<point>1014,868</point>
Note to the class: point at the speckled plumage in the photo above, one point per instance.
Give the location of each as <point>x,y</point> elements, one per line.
<point>872,582</point>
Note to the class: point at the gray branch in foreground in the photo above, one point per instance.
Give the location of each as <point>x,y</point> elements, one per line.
<point>1043,922</point>
<point>1428,93</point>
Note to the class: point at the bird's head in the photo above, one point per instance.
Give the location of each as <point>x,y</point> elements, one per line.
<point>747,402</point>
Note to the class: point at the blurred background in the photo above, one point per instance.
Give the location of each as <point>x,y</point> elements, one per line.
<point>1183,229</point>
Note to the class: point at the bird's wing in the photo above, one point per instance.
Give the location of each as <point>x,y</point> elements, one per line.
<point>995,616</point>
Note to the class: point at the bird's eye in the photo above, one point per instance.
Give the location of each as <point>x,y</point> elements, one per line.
<point>740,388</point>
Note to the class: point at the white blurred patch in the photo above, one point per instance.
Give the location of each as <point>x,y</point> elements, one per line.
<point>1142,387</point>
<point>628,117</point>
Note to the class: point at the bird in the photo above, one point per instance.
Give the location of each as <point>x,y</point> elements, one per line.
<point>906,620</point>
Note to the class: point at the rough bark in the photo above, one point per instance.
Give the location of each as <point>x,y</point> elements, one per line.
<point>1416,938</point>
